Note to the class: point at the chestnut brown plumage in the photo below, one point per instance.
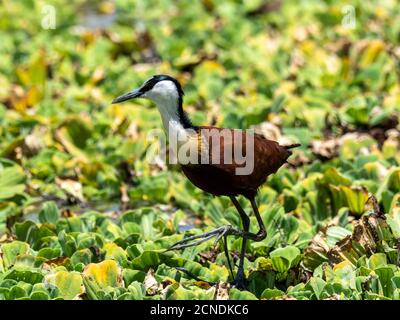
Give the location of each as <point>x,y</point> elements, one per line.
<point>219,179</point>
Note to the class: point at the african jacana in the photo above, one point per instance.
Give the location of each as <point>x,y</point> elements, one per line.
<point>219,179</point>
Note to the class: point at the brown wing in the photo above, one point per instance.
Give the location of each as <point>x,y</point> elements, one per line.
<point>236,152</point>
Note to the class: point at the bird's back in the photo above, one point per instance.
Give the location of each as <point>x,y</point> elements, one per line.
<point>245,161</point>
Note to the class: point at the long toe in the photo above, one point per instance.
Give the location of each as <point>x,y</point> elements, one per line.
<point>188,242</point>
<point>182,244</point>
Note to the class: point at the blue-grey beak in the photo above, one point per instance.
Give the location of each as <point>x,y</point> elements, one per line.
<point>130,95</point>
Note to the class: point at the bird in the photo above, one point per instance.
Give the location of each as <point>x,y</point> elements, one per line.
<point>214,167</point>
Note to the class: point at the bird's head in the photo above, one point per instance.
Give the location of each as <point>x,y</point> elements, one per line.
<point>159,89</point>
<point>167,93</point>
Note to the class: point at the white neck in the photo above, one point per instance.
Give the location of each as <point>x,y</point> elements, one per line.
<point>170,117</point>
<point>165,95</point>
<point>168,108</point>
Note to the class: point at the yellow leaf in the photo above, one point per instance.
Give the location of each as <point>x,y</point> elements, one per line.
<point>371,52</point>
<point>213,66</point>
<point>106,273</point>
<point>342,265</point>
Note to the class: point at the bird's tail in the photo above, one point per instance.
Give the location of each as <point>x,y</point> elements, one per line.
<point>289,152</point>
<point>291,146</point>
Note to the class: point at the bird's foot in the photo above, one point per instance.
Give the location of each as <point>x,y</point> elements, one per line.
<point>239,284</point>
<point>240,281</point>
<point>218,233</point>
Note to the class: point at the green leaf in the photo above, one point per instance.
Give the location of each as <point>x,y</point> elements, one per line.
<point>137,290</point>
<point>151,259</point>
<point>259,281</point>
<point>345,274</point>
<point>11,182</point>
<point>271,294</point>
<point>115,252</point>
<point>131,276</point>
<point>176,291</point>
<point>68,243</point>
<point>317,286</point>
<point>235,294</point>
<point>49,253</point>
<point>49,213</point>
<point>12,250</point>
<point>27,231</point>
<point>356,199</point>
<point>83,256</point>
<point>377,260</point>
<point>335,233</point>
<point>385,274</point>
<point>24,274</point>
<point>39,295</point>
<point>285,258</point>
<point>74,134</point>
<point>334,177</point>
<point>69,284</point>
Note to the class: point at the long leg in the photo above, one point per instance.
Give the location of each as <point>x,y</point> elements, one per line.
<point>239,280</point>
<point>262,233</point>
<point>224,231</point>
<point>227,255</point>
